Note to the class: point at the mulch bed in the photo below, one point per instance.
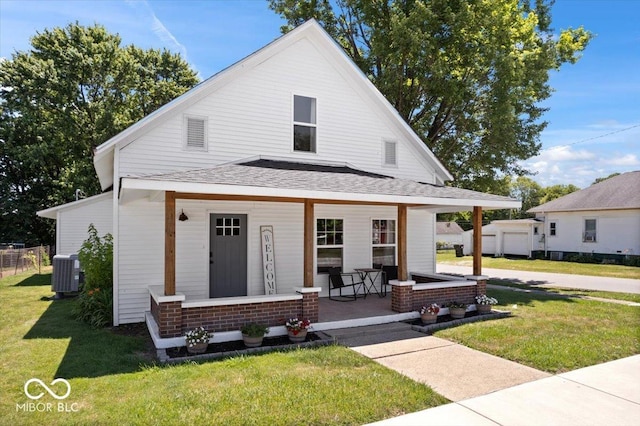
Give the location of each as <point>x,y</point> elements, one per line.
<point>237,347</point>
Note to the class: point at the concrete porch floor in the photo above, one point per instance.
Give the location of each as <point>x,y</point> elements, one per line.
<point>372,306</point>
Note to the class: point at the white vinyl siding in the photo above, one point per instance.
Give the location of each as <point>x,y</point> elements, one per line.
<point>252,115</point>
<point>195,133</point>
<point>74,223</point>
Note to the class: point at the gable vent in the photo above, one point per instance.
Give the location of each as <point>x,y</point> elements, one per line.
<point>196,133</point>
<point>390,154</point>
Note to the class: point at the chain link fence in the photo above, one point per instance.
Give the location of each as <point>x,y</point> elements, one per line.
<point>16,260</point>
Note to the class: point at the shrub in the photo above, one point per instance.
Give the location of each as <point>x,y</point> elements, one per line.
<point>95,303</point>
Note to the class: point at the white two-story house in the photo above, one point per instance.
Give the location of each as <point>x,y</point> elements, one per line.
<point>293,145</point>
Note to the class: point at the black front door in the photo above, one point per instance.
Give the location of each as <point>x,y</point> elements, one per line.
<point>228,255</point>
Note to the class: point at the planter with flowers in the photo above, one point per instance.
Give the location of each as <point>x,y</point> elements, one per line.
<point>457,309</point>
<point>429,314</point>
<point>253,333</point>
<point>197,340</point>
<point>297,329</point>
<point>484,303</point>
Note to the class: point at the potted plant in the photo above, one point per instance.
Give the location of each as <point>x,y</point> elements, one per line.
<point>197,340</point>
<point>253,333</point>
<point>484,302</point>
<point>297,329</point>
<point>457,309</point>
<point>429,314</point>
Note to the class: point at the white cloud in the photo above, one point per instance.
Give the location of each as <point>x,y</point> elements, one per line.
<point>624,161</point>
<point>564,153</point>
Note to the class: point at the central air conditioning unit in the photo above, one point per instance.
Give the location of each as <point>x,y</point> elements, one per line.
<point>555,255</point>
<point>66,274</point>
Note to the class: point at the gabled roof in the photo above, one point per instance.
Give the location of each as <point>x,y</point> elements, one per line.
<point>448,228</point>
<point>268,178</point>
<point>104,154</point>
<point>51,213</point>
<point>618,192</point>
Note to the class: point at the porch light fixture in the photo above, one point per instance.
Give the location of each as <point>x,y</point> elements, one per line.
<point>183,217</point>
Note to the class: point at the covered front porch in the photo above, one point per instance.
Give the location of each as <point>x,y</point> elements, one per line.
<point>410,205</point>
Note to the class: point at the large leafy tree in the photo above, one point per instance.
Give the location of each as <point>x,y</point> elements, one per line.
<point>73,90</point>
<point>468,75</point>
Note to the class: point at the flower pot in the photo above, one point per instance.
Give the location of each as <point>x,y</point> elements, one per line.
<point>428,318</point>
<point>457,313</point>
<point>483,309</point>
<point>301,336</point>
<point>252,342</point>
<point>198,348</point>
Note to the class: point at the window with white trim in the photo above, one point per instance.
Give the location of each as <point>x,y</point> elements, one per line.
<point>553,229</point>
<point>589,235</point>
<point>390,153</point>
<point>329,244</point>
<point>195,133</point>
<point>383,241</point>
<point>304,124</point>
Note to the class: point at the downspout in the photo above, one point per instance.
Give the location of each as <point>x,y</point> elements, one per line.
<point>116,233</point>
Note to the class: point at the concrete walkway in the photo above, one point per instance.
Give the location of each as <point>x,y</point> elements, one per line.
<point>608,393</point>
<point>545,279</point>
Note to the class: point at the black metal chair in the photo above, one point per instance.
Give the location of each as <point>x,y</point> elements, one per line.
<point>389,273</point>
<point>337,283</point>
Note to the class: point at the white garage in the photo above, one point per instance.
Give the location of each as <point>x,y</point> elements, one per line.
<point>488,244</point>
<point>519,237</point>
<point>516,243</point>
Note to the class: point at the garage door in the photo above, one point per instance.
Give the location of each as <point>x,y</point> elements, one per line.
<point>515,243</point>
<point>488,244</point>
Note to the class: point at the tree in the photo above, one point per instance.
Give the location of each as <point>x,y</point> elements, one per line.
<point>556,191</point>
<point>601,179</point>
<point>74,89</point>
<point>529,192</point>
<point>468,76</point>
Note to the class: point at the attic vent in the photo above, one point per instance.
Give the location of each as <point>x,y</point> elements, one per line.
<point>390,154</point>
<point>196,133</point>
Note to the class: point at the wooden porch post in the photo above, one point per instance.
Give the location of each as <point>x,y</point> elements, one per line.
<point>477,240</point>
<point>402,242</point>
<point>169,243</point>
<point>308,242</point>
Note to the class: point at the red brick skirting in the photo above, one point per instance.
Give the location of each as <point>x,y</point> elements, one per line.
<point>174,320</point>
<point>407,298</point>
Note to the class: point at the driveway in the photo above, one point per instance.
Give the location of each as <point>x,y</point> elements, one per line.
<point>546,279</point>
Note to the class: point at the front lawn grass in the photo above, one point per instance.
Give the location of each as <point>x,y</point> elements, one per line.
<point>114,380</point>
<point>540,265</point>
<point>554,334</point>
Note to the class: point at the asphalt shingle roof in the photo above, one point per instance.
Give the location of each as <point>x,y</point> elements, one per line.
<point>448,228</point>
<point>618,192</point>
<point>300,176</point>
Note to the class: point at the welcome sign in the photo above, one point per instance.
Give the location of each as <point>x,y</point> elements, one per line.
<point>268,259</point>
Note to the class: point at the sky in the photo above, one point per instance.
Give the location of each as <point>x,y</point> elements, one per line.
<point>594,112</point>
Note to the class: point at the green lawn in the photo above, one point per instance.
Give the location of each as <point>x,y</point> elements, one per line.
<point>538,265</point>
<point>114,380</point>
<point>554,334</point>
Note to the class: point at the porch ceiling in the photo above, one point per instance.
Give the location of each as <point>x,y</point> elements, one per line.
<point>296,182</point>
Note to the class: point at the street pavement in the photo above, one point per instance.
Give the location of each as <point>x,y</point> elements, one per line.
<point>544,279</point>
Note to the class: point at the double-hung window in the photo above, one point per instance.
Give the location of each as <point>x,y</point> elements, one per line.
<point>589,235</point>
<point>329,243</point>
<point>383,241</point>
<point>304,124</point>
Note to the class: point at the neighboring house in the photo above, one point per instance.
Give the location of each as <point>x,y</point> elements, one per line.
<point>517,237</point>
<point>603,220</point>
<point>448,234</point>
<point>293,139</point>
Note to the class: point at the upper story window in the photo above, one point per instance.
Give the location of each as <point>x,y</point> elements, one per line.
<point>553,229</point>
<point>390,153</point>
<point>589,231</point>
<point>195,133</point>
<point>304,124</point>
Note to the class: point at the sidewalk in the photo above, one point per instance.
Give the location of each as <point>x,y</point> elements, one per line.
<point>608,393</point>
<point>547,279</point>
